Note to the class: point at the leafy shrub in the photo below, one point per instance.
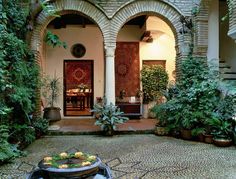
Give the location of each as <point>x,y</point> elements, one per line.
<point>7,151</point>
<point>19,77</point>
<point>154,80</point>
<point>41,126</point>
<point>196,100</point>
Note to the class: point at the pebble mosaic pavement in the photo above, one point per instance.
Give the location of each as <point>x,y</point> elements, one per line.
<point>135,157</point>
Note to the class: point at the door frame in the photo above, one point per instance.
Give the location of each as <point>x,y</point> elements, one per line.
<point>64,84</point>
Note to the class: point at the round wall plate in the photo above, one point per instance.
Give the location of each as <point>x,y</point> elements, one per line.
<point>78,50</point>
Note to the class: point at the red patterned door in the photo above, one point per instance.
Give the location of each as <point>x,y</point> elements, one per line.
<point>78,85</point>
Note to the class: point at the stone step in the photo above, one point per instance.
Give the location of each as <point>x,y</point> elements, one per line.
<point>225,70</point>
<point>224,65</point>
<point>228,75</point>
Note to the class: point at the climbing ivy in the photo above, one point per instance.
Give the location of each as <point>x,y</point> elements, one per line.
<point>18,80</point>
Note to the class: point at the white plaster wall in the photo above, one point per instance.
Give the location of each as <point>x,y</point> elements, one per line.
<point>227,44</point>
<point>213,33</point>
<point>92,39</point>
<point>162,48</point>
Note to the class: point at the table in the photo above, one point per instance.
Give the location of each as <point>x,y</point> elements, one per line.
<point>75,99</point>
<point>132,110</point>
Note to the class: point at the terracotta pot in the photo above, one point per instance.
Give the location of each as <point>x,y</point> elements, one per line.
<point>108,131</point>
<point>175,133</point>
<point>52,114</point>
<point>222,142</point>
<point>200,138</point>
<point>161,131</point>
<point>208,138</point>
<point>186,134</point>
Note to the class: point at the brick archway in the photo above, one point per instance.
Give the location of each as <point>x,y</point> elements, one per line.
<point>63,7</point>
<point>161,9</point>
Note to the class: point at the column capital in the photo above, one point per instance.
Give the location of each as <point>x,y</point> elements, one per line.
<point>110,51</point>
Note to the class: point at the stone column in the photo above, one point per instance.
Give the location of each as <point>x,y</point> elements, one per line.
<point>110,75</point>
<point>213,35</point>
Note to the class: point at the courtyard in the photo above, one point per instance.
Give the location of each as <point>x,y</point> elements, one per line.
<point>135,156</point>
<point>73,72</point>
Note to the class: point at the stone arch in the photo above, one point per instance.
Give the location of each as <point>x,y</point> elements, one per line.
<point>63,7</point>
<point>161,9</point>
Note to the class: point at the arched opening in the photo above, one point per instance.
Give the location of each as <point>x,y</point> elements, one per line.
<point>145,39</point>
<point>227,46</point>
<point>80,67</point>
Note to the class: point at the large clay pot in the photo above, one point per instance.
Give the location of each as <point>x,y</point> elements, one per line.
<point>200,137</point>
<point>222,142</point>
<point>208,138</point>
<point>161,131</point>
<point>186,134</point>
<point>52,114</point>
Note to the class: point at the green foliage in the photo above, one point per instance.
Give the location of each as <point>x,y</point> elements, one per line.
<point>221,128</point>
<point>154,80</point>
<point>108,116</point>
<point>196,101</point>
<point>41,126</point>
<point>48,8</point>
<point>51,89</point>
<point>18,79</point>
<point>22,134</point>
<point>7,151</point>
<point>54,41</point>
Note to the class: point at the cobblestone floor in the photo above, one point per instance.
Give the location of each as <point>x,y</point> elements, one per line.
<point>136,156</point>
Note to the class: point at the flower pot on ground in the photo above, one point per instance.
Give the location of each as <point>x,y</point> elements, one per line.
<point>208,138</point>
<point>222,142</point>
<point>52,114</point>
<point>108,116</point>
<point>161,131</point>
<point>186,134</point>
<point>198,133</point>
<point>222,131</point>
<point>51,92</point>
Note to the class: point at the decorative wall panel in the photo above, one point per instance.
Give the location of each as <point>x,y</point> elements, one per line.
<point>78,72</point>
<point>127,76</point>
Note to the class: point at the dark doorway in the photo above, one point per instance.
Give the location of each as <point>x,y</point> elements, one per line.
<point>78,87</point>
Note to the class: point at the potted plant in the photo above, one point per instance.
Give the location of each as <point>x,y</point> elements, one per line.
<point>161,114</point>
<point>108,116</point>
<point>168,114</point>
<point>188,122</point>
<point>51,92</point>
<point>198,133</point>
<point>154,80</point>
<point>222,132</point>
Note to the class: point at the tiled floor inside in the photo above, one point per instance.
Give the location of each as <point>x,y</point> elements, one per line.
<point>143,156</point>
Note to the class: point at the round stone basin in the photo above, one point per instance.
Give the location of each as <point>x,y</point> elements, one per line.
<point>81,171</point>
